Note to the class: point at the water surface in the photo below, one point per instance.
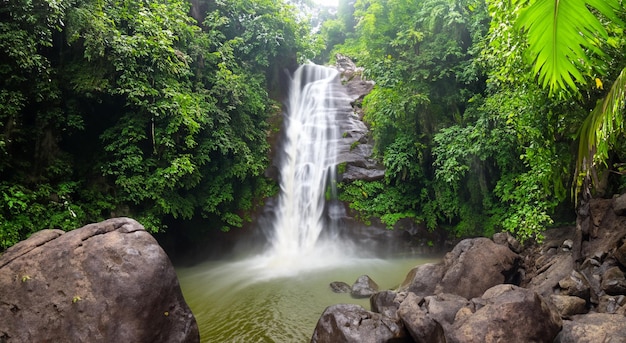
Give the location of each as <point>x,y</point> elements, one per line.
<point>234,303</point>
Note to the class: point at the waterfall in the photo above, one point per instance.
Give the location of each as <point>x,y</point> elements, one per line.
<point>308,159</point>
<point>316,110</point>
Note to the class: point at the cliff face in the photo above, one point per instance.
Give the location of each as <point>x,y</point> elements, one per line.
<point>355,147</point>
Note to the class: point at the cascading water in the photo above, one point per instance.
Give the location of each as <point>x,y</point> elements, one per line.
<point>308,160</point>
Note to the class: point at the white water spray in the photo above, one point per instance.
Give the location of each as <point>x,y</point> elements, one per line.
<point>308,160</point>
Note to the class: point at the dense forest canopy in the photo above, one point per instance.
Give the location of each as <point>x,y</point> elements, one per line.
<point>161,109</point>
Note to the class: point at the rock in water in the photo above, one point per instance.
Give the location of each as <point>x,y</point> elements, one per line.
<point>340,287</point>
<point>364,287</point>
<point>104,282</point>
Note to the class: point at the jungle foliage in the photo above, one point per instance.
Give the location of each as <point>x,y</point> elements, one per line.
<point>477,112</point>
<point>149,109</point>
<point>159,109</point>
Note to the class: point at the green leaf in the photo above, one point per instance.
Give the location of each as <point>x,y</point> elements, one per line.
<point>600,131</point>
<point>560,36</point>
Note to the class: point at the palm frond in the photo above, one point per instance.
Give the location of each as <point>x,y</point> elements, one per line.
<point>560,35</point>
<point>600,131</point>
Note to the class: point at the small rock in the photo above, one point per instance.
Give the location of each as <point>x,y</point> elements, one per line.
<point>608,304</point>
<point>364,287</point>
<point>575,285</point>
<point>568,305</point>
<point>505,238</point>
<point>340,287</point>
<point>567,245</point>
<point>613,281</point>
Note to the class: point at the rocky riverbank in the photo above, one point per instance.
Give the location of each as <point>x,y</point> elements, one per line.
<point>570,288</point>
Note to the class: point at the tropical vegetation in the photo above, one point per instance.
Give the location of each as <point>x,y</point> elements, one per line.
<point>149,109</point>
<point>488,115</point>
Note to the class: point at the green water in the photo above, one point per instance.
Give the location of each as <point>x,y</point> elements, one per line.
<point>233,302</point>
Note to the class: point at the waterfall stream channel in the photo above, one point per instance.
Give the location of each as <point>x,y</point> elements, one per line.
<point>278,293</point>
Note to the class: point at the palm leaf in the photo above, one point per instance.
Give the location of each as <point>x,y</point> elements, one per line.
<point>560,35</point>
<point>600,130</point>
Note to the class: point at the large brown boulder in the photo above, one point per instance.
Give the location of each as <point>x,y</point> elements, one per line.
<point>475,265</point>
<point>507,313</point>
<point>105,282</point>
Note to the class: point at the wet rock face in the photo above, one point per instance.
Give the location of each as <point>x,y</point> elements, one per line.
<point>355,146</point>
<point>105,282</point>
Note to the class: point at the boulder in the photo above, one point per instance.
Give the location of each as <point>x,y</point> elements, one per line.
<point>568,306</point>
<point>387,303</point>
<point>511,314</point>
<point>423,279</point>
<point>364,287</point>
<point>104,282</point>
<point>551,272</point>
<point>613,281</point>
<point>592,328</point>
<point>575,285</point>
<point>444,307</point>
<point>422,327</point>
<point>475,265</point>
<point>352,323</point>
